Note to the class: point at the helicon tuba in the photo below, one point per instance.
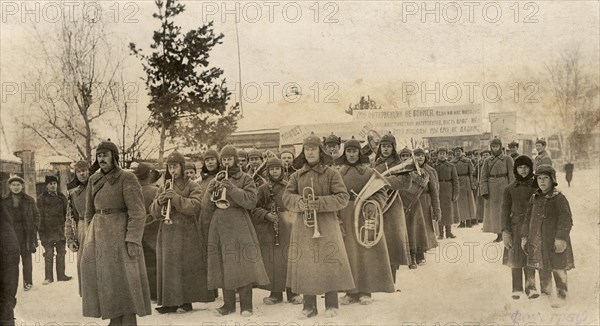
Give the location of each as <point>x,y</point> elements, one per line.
<point>368,222</point>
<point>219,196</point>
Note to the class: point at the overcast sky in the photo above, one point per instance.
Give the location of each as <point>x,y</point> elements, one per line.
<point>355,48</point>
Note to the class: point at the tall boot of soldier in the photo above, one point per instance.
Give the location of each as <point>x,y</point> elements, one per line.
<point>60,262</point>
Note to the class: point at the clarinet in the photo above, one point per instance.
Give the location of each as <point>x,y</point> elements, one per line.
<point>274,212</point>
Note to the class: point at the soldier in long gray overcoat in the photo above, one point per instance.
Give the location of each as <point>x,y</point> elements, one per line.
<point>114,284</point>
<point>415,219</point>
<point>273,225</point>
<point>179,254</point>
<point>234,258</point>
<point>75,227</point>
<point>148,177</point>
<point>317,265</point>
<point>370,266</point>
<point>430,204</point>
<point>394,224</point>
<point>479,201</point>
<point>449,190</point>
<point>467,181</point>
<point>496,174</point>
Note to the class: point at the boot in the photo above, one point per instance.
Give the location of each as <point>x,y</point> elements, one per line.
<point>186,307</point>
<point>441,236</point>
<point>413,261</point>
<point>420,258</point>
<point>274,298</point>
<point>468,224</point>
<point>48,271</point>
<point>166,309</point>
<point>474,222</point>
<point>129,320</point>
<point>117,321</point>
<point>246,300</point>
<point>310,307</point>
<point>293,298</point>
<point>228,306</point>
<point>461,225</point>
<point>498,238</point>
<point>60,269</point>
<point>449,234</point>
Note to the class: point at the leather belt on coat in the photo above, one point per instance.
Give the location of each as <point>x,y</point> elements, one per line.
<point>108,211</point>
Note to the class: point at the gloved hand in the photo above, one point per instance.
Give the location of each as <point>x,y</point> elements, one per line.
<point>560,246</point>
<point>486,196</point>
<point>302,205</point>
<point>455,197</point>
<point>272,218</point>
<point>524,244</point>
<point>227,184</point>
<point>507,239</point>
<point>133,249</point>
<point>313,205</point>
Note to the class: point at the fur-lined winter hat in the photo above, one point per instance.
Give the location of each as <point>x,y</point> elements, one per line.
<point>547,170</point>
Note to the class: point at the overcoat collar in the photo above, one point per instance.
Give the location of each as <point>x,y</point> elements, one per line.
<point>550,194</point>
<point>319,168</point>
<point>111,177</point>
<point>361,168</point>
<point>390,160</point>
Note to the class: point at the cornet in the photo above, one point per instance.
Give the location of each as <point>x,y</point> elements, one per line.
<point>219,196</point>
<point>166,209</point>
<point>310,218</point>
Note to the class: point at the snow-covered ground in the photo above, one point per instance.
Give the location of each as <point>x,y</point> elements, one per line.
<point>463,283</point>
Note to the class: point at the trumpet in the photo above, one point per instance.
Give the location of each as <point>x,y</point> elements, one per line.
<point>310,218</point>
<point>166,209</point>
<point>219,196</point>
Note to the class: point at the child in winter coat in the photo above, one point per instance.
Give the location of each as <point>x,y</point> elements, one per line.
<point>514,207</point>
<point>545,234</point>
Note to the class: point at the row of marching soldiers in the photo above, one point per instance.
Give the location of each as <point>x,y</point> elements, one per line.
<point>237,230</point>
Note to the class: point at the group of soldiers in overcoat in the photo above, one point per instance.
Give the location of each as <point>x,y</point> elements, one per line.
<point>246,221</point>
